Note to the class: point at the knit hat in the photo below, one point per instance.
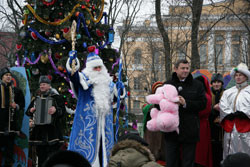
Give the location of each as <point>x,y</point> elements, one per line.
<point>93,60</point>
<point>44,79</point>
<point>136,137</point>
<point>156,85</point>
<point>4,71</point>
<point>237,160</point>
<point>66,158</point>
<point>217,77</point>
<point>242,68</point>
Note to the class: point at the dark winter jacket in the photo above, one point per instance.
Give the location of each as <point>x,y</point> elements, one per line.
<point>130,153</point>
<point>17,116</point>
<point>49,133</point>
<point>194,95</point>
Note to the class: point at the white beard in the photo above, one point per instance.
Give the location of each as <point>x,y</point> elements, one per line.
<point>101,91</point>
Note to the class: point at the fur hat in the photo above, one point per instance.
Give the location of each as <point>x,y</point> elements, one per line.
<point>135,137</point>
<point>237,160</point>
<point>93,60</point>
<point>242,68</point>
<point>44,79</point>
<point>217,77</point>
<point>156,85</point>
<point>66,157</point>
<point>4,71</point>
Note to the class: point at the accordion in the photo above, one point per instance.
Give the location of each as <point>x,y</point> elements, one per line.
<point>42,105</point>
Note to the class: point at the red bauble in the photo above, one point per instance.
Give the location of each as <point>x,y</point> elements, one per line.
<point>83,6</point>
<point>91,48</point>
<point>99,33</point>
<point>58,55</point>
<point>66,30</point>
<point>50,77</point>
<point>18,46</point>
<point>33,35</point>
<point>128,93</point>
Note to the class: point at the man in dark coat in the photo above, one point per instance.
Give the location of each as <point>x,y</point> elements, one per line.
<point>11,115</point>
<point>192,99</point>
<point>47,137</point>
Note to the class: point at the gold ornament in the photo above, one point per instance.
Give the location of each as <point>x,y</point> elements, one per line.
<point>44,58</point>
<point>87,22</point>
<point>57,36</point>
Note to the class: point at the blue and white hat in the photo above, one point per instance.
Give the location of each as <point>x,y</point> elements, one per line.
<point>93,60</point>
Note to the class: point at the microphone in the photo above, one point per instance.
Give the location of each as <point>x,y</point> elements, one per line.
<point>180,88</point>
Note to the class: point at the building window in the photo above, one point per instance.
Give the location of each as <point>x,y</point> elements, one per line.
<point>181,55</point>
<point>203,53</point>
<point>136,83</point>
<point>157,60</point>
<point>219,38</point>
<point>236,57</point>
<point>203,37</point>
<point>236,38</point>
<point>136,104</point>
<point>219,53</point>
<point>137,56</point>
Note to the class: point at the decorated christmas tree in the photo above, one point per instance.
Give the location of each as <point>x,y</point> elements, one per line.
<point>45,40</point>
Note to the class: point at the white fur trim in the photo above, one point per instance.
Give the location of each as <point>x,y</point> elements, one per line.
<point>242,68</point>
<point>69,69</point>
<point>94,63</point>
<point>83,81</point>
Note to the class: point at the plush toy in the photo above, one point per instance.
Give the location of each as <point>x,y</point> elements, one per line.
<point>167,119</point>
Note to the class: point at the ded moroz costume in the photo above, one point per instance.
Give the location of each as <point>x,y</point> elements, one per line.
<point>92,132</point>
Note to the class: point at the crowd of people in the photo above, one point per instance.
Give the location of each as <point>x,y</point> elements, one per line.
<point>214,124</point>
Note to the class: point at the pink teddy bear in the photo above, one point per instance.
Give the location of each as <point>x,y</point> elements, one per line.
<point>167,119</point>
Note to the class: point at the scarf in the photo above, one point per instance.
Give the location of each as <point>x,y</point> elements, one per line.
<point>4,98</point>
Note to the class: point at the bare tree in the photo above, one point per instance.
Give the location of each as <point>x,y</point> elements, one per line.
<point>166,43</point>
<point>10,18</point>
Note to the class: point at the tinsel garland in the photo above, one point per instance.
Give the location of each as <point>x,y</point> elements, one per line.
<point>46,40</point>
<point>52,23</point>
<point>66,18</point>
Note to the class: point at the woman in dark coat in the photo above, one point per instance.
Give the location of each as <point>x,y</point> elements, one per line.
<point>203,156</point>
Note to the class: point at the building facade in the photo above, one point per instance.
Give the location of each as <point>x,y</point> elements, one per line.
<point>223,43</point>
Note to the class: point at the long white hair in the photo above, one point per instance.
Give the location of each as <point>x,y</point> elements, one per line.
<point>101,90</point>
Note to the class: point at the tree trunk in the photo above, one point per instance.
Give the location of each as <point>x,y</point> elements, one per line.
<point>196,14</point>
<point>166,43</point>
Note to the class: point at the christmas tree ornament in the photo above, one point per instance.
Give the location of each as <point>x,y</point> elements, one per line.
<point>87,22</point>
<point>33,35</point>
<point>60,68</point>
<point>78,36</point>
<point>91,48</point>
<point>84,44</point>
<point>26,11</point>
<point>18,46</point>
<point>57,36</point>
<point>47,33</point>
<point>77,14</point>
<point>33,57</point>
<point>35,71</point>
<point>22,34</point>
<point>99,33</point>
<point>44,58</point>
<point>83,6</point>
<point>67,34</point>
<point>58,55</point>
<point>111,35</point>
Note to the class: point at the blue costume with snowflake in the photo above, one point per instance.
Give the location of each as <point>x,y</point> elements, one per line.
<point>92,131</point>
